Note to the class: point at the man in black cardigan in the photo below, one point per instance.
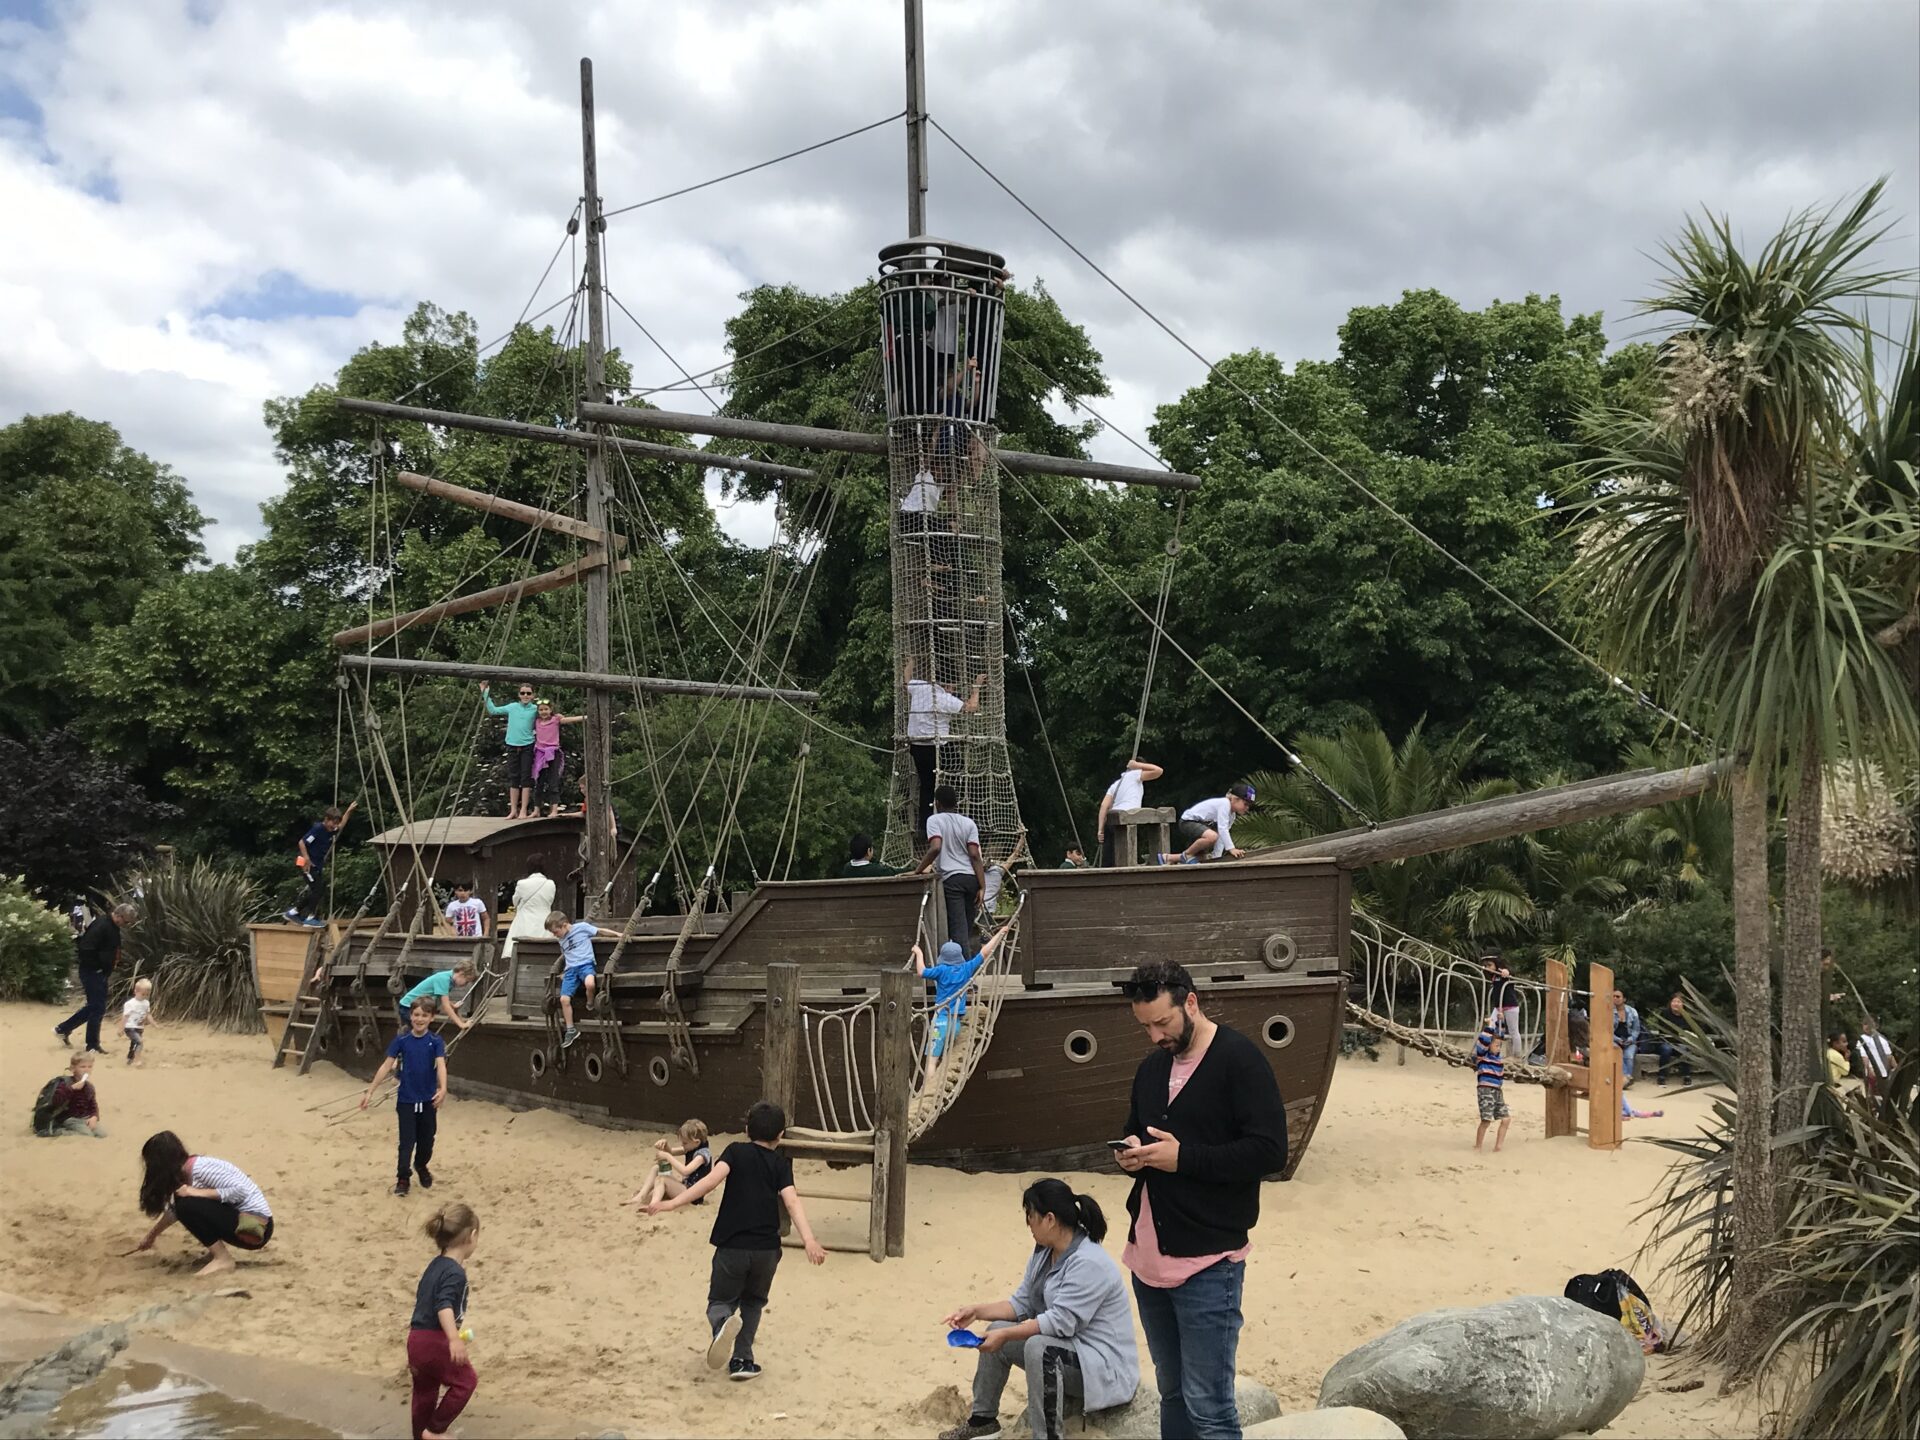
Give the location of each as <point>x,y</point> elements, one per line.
<point>1205,1127</point>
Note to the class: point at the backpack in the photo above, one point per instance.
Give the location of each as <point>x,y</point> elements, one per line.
<point>1615,1294</point>
<point>49,1107</point>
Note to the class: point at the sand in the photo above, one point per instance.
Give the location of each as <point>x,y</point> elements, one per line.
<point>590,1315</point>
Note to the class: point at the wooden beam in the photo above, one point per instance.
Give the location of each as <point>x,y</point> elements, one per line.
<point>861,442</point>
<point>577,439</point>
<point>1504,817</point>
<point>479,600</point>
<point>506,509</point>
<point>576,679</point>
<point>1605,1087</point>
<point>895,1083</point>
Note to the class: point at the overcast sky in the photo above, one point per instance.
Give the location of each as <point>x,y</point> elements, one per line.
<point>206,204</point>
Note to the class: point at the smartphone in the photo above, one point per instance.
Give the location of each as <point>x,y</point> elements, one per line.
<point>1118,1145</point>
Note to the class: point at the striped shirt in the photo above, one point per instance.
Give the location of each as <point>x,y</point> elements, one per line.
<point>232,1184</point>
<point>1488,1068</point>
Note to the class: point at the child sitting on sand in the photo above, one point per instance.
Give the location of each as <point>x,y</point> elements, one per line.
<point>746,1235</point>
<point>68,1105</point>
<point>1489,1085</point>
<point>576,951</point>
<point>437,1338</point>
<point>672,1174</point>
<point>133,1019</point>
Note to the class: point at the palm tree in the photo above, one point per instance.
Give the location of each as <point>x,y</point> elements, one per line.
<point>1701,562</point>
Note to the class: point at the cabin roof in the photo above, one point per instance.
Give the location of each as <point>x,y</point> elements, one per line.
<point>468,830</point>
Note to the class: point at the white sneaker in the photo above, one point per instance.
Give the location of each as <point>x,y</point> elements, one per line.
<point>720,1348</point>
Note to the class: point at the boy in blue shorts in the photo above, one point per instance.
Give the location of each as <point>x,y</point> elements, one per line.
<point>951,974</point>
<point>422,1058</point>
<point>436,992</point>
<point>576,952</point>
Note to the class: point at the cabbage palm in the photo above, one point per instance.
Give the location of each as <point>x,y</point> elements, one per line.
<point>1703,561</point>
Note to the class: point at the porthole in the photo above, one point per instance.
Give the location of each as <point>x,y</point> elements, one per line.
<point>537,1062</point>
<point>1277,1032</point>
<point>1278,951</point>
<point>360,1045</point>
<point>1081,1046</point>
<point>658,1070</point>
<point>593,1068</point>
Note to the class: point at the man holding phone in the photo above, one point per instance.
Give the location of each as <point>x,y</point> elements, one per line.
<point>1204,1127</point>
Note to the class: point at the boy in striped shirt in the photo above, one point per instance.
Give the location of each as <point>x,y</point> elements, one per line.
<point>1489,1081</point>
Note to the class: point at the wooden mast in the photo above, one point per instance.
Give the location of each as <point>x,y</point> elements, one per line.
<point>597,745</point>
<point>916,122</point>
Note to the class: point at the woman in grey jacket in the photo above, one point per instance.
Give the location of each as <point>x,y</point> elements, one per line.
<point>1068,1325</point>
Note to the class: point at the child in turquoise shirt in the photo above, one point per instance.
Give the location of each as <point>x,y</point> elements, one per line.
<point>520,715</point>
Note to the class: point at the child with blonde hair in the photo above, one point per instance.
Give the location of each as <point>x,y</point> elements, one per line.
<point>133,1019</point>
<point>672,1173</point>
<point>437,1338</point>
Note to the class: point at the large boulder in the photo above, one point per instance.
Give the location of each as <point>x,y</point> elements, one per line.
<point>1337,1422</point>
<point>1139,1418</point>
<point>1525,1369</point>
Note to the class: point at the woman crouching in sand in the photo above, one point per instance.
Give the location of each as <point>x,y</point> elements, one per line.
<point>215,1201</point>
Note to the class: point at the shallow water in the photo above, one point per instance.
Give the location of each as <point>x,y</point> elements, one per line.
<point>137,1401</point>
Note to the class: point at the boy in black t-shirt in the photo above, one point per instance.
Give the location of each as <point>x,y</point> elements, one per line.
<point>746,1235</point>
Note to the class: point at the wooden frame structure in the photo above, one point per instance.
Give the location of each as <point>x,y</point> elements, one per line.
<point>1600,1079</point>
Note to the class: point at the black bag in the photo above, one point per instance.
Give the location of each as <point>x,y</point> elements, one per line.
<point>49,1111</point>
<point>1616,1295</point>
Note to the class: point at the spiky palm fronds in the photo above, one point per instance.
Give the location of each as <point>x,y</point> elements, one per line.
<point>191,941</point>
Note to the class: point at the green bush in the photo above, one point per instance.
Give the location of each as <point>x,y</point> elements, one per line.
<point>1877,951</point>
<point>1659,945</point>
<point>191,941</point>
<point>36,946</point>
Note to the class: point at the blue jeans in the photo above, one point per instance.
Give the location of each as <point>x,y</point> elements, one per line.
<point>1193,1335</point>
<point>94,983</point>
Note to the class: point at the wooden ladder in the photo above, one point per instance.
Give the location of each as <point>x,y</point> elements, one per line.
<point>869,1148</point>
<point>308,1012</point>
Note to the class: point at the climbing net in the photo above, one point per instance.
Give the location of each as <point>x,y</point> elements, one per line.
<point>1434,1000</point>
<point>941,316</point>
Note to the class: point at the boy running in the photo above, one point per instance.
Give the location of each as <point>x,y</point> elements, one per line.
<point>746,1235</point>
<point>315,846</point>
<point>133,1019</point>
<point>1489,1082</point>
<point>422,1058</point>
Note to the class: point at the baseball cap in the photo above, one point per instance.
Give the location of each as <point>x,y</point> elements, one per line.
<point>1242,791</point>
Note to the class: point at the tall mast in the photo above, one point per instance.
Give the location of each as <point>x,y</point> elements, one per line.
<point>916,122</point>
<point>597,745</point>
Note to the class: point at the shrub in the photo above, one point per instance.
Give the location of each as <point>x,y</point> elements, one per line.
<point>191,941</point>
<point>36,946</point>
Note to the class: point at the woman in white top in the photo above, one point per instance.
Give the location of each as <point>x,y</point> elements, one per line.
<point>532,901</point>
<point>216,1202</point>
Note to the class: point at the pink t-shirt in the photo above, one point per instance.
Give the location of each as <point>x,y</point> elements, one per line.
<point>1142,1255</point>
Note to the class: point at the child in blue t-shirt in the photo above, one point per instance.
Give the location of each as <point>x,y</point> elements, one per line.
<point>951,975</point>
<point>576,955</point>
<point>421,1056</point>
<point>1489,1082</point>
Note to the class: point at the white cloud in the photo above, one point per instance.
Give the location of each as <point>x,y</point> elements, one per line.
<point>1251,172</point>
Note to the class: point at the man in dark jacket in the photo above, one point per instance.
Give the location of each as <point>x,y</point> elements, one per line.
<point>96,951</point>
<point>1205,1127</point>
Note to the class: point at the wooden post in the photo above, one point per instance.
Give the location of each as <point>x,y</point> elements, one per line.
<point>780,1055</point>
<point>506,509</point>
<point>895,1082</point>
<point>597,745</point>
<point>1562,1102</point>
<point>594,562</point>
<point>577,679</point>
<point>877,1195</point>
<point>916,123</point>
<point>1603,1063</point>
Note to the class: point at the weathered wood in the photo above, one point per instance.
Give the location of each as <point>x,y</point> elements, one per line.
<point>596,744</point>
<point>577,679</point>
<point>1604,1092</point>
<point>780,1059</point>
<point>573,439</point>
<point>506,509</point>
<point>878,1240</point>
<point>862,442</point>
<point>1504,817</point>
<point>569,574</point>
<point>1563,1106</point>
<point>895,1083</point>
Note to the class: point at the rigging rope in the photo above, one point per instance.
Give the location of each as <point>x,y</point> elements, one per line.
<point>748,170</point>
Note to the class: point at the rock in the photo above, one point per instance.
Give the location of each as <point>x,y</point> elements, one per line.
<point>1336,1422</point>
<point>1526,1369</point>
<point>1139,1418</point>
<point>1257,1403</point>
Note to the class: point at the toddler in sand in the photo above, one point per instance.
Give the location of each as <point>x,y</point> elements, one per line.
<point>672,1174</point>
<point>133,1020</point>
<point>437,1338</point>
<point>746,1236</point>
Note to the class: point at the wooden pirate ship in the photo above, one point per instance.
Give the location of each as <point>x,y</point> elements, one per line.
<point>802,989</point>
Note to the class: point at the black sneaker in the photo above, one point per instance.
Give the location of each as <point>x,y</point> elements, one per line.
<point>401,1187</point>
<point>722,1342</point>
<point>426,1177</point>
<point>95,1050</point>
<point>974,1427</point>
<point>65,1039</point>
<point>747,1370</point>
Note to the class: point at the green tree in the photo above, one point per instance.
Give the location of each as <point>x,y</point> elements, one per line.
<point>86,525</point>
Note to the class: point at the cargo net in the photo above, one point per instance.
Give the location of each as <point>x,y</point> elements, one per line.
<point>941,317</point>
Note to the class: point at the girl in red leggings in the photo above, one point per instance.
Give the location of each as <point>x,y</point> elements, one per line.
<point>437,1342</point>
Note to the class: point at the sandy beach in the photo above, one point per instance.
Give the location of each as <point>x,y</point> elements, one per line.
<point>590,1315</point>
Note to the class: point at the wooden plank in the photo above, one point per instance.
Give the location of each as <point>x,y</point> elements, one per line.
<point>1604,1091</point>
<point>575,439</point>
<point>780,1057</point>
<point>878,1208</point>
<point>862,442</point>
<point>578,679</point>
<point>506,509</point>
<point>895,1084</point>
<point>1563,1105</point>
<point>569,574</point>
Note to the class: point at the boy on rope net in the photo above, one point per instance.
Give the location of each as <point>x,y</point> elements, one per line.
<point>928,707</point>
<point>521,715</point>
<point>1208,827</point>
<point>1126,793</point>
<point>576,950</point>
<point>953,843</point>
<point>436,993</point>
<point>315,846</point>
<point>952,975</point>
